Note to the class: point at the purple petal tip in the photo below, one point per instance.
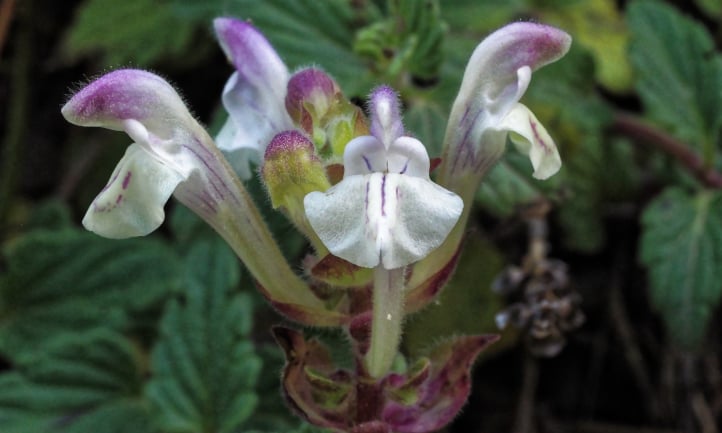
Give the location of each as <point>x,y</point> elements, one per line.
<point>245,45</point>
<point>288,141</point>
<point>385,113</point>
<point>535,44</point>
<point>118,95</point>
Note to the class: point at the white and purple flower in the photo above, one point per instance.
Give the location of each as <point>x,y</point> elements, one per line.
<point>171,153</point>
<point>386,211</point>
<point>487,108</point>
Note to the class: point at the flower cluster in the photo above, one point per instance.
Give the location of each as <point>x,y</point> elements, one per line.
<point>357,185</point>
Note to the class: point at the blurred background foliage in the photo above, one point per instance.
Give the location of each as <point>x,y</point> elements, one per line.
<point>166,333</point>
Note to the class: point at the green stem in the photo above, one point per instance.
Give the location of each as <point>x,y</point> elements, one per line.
<point>387,318</point>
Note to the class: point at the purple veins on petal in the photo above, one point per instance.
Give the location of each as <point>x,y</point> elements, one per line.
<point>126,180</point>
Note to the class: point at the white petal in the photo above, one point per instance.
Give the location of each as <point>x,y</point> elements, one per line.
<point>364,155</point>
<point>132,202</point>
<point>239,158</point>
<point>383,218</point>
<point>532,138</point>
<point>255,115</point>
<point>338,216</point>
<point>426,214</point>
<point>408,155</point>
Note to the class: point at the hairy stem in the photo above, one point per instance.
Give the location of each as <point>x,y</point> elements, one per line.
<point>387,317</point>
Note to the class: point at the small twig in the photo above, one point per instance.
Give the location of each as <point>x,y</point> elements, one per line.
<point>524,420</point>
<point>633,355</point>
<point>635,128</point>
<point>6,14</point>
<point>703,414</point>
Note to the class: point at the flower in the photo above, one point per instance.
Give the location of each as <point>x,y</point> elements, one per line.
<point>386,211</point>
<point>173,155</point>
<point>254,95</point>
<point>170,154</point>
<point>487,110</point>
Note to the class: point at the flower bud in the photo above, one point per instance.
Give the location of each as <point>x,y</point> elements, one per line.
<point>316,104</point>
<point>290,171</point>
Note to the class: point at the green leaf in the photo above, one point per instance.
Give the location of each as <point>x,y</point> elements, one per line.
<point>598,26</point>
<point>138,32</point>
<point>679,73</point>
<point>68,281</point>
<point>466,306</point>
<point>407,42</point>
<point>713,8</point>
<point>509,185</point>
<point>87,383</point>
<point>16,413</point>
<point>205,367</point>
<point>467,16</point>
<point>208,259</point>
<point>682,245</point>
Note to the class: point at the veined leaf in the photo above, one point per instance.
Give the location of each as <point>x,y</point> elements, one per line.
<point>208,259</point>
<point>16,412</point>
<point>205,367</point>
<point>679,73</point>
<point>92,382</point>
<point>682,246</point>
<point>138,32</point>
<point>71,281</point>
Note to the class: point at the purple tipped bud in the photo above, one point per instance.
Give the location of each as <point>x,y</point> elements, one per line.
<point>249,51</point>
<point>385,114</point>
<point>311,93</point>
<point>291,170</point>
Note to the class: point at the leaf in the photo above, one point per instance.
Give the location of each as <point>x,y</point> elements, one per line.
<point>138,32</point>
<point>466,305</point>
<point>509,185</point>
<point>682,246</point>
<point>464,16</point>
<point>712,8</point>
<point>598,26</point>
<point>92,382</point>
<point>204,365</point>
<point>679,73</point>
<point>70,281</point>
<point>16,415</point>
<point>407,42</point>
<point>208,259</point>
<point>597,174</point>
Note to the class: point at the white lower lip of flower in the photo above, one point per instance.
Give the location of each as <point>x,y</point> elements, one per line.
<point>383,218</point>
<point>131,204</point>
